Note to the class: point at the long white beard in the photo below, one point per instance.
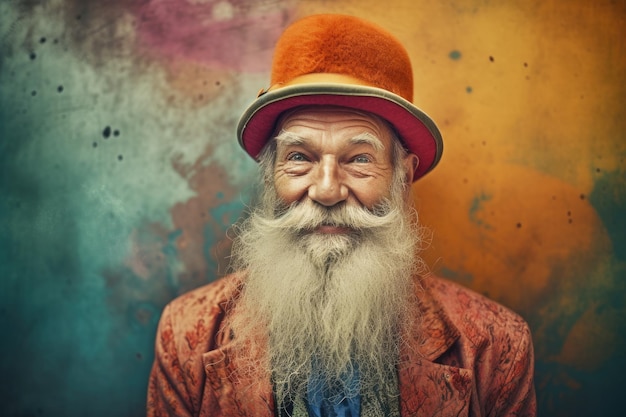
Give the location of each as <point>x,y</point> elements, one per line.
<point>340,299</point>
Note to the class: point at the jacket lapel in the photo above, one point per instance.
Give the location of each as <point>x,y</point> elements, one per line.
<point>428,388</point>
<point>237,395</point>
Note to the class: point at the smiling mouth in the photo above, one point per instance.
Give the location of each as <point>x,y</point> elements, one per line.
<point>330,229</point>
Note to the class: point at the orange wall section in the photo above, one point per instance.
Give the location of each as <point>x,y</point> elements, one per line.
<point>527,204</point>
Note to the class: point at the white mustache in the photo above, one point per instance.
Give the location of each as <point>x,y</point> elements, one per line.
<point>310,215</point>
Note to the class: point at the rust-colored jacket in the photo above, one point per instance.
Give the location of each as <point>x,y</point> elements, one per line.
<point>467,356</point>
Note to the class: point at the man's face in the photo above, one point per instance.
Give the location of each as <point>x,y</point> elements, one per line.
<point>331,278</point>
<point>334,155</point>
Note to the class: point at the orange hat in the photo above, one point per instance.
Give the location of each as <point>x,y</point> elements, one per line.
<point>343,61</point>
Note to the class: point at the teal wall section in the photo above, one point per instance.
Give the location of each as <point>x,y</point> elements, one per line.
<point>118,183</point>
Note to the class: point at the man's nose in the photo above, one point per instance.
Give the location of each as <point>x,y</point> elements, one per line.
<point>328,187</point>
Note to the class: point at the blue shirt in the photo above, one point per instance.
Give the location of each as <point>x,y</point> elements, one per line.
<point>324,400</point>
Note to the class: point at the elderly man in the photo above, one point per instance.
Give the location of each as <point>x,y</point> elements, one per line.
<point>330,311</point>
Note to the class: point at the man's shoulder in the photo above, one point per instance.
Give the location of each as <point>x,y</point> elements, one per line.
<point>203,303</point>
<point>474,315</point>
<point>491,340</point>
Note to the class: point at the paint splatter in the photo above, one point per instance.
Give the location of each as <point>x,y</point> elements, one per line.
<point>476,206</point>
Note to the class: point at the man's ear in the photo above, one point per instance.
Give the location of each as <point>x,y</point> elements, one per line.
<point>411,161</point>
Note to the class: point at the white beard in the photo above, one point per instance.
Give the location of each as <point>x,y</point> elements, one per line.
<point>338,299</point>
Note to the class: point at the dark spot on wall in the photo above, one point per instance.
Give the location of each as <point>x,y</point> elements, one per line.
<point>582,196</point>
<point>468,89</point>
<point>491,58</point>
<point>33,55</point>
<point>33,93</point>
<point>139,356</point>
<point>78,17</point>
<point>42,39</point>
<point>218,83</point>
<point>455,55</point>
<point>598,170</point>
<point>518,225</point>
<point>569,221</point>
<point>120,157</point>
<point>526,64</point>
<point>116,132</point>
<point>95,144</point>
<point>60,89</point>
<point>484,143</point>
<point>142,314</point>
<point>106,133</point>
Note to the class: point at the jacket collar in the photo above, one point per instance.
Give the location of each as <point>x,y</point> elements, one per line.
<point>428,387</point>
<point>432,333</point>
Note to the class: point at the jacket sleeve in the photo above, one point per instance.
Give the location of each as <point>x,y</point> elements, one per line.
<point>517,392</point>
<point>167,392</point>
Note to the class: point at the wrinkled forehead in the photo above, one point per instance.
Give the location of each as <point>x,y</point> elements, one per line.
<point>324,117</point>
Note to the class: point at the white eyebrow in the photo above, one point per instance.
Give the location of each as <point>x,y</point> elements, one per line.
<point>288,138</point>
<point>369,139</point>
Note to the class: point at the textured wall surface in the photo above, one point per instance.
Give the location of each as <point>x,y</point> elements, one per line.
<point>120,175</point>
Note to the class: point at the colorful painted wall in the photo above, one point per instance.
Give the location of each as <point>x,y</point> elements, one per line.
<point>120,175</point>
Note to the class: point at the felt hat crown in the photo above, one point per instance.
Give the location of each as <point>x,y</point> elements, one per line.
<point>339,60</point>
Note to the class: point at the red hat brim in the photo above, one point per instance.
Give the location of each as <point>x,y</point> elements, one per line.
<point>417,131</point>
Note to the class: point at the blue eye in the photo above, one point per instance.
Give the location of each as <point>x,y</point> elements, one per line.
<point>297,157</point>
<point>361,159</point>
